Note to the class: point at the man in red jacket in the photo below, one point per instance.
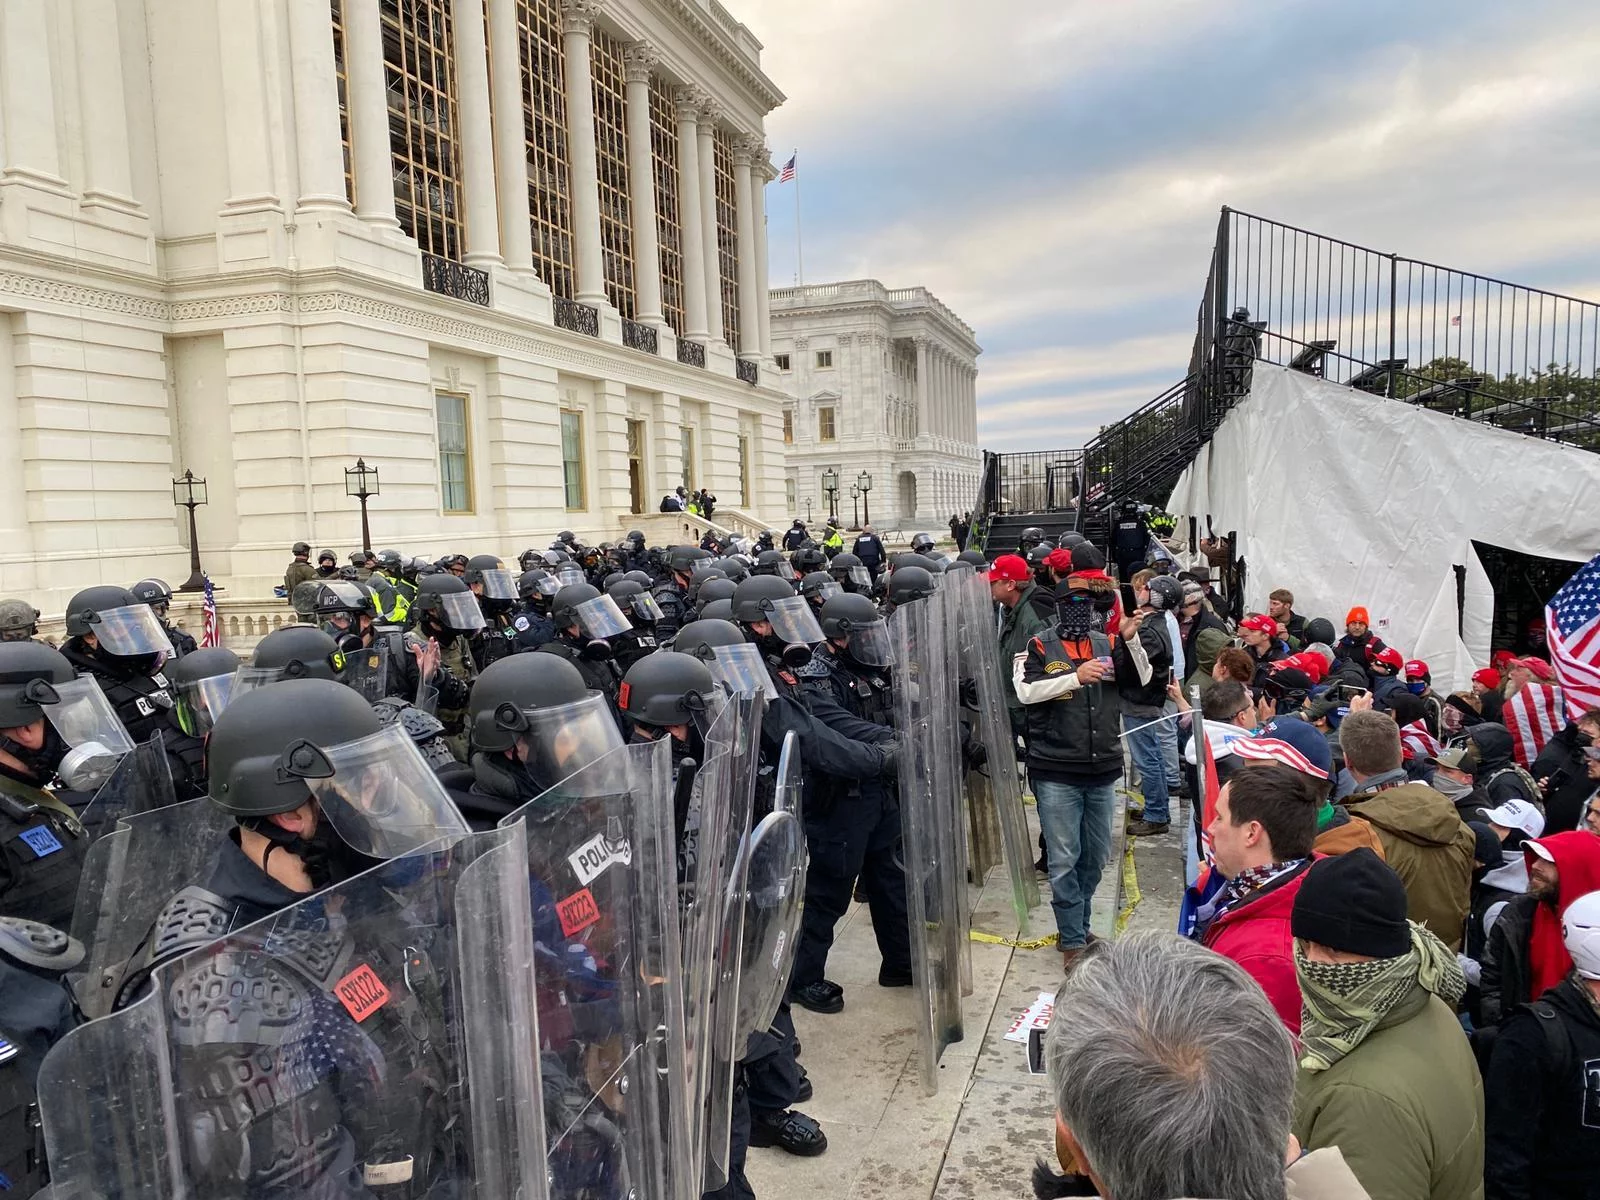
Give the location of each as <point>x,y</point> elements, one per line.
<point>1261,842</point>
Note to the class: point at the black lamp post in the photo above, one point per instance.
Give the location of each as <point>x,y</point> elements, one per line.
<point>361,481</point>
<point>855,500</point>
<point>190,493</point>
<point>830,484</point>
<point>864,482</point>
<point>808,510</point>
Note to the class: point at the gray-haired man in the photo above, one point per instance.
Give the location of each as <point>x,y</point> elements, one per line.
<point>1173,1077</point>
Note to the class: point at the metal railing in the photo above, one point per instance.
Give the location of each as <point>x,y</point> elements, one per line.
<point>579,318</point>
<point>637,336</point>
<point>456,280</point>
<point>692,354</point>
<point>748,371</point>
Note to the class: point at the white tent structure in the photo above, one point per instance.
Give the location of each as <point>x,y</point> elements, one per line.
<point>1346,498</point>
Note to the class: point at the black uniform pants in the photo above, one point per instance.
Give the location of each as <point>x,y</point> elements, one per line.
<point>860,838</point>
<point>738,1187</point>
<point>771,1072</point>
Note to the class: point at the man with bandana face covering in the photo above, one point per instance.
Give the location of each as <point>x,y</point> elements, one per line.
<point>320,791</point>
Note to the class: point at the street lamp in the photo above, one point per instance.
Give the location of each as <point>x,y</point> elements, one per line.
<point>864,482</point>
<point>190,493</point>
<point>830,484</point>
<point>808,510</point>
<point>855,499</point>
<point>361,481</point>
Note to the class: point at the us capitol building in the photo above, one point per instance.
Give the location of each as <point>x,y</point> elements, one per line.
<point>882,391</point>
<point>510,253</point>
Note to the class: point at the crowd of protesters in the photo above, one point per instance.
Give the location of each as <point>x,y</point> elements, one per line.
<point>1387,978</point>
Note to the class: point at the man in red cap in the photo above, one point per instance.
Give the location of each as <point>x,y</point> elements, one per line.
<point>1522,671</point>
<point>1525,956</point>
<point>1260,635</point>
<point>1012,587</point>
<point>1486,691</point>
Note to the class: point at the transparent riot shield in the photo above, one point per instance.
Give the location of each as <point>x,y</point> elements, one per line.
<point>366,670</point>
<point>929,817</point>
<point>129,875</point>
<point>610,980</point>
<point>377,1038</point>
<point>955,821</point>
<point>141,783</point>
<point>983,693</point>
<point>773,870</point>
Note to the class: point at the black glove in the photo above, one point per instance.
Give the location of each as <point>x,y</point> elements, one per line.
<point>891,754</point>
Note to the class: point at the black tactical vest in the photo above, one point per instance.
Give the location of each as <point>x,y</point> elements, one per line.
<point>41,856</point>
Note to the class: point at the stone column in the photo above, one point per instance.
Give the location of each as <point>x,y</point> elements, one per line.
<point>589,264</point>
<point>477,136</point>
<point>695,324</point>
<point>745,190</point>
<point>924,424</point>
<point>761,174</point>
<point>318,154</point>
<point>510,137</point>
<point>710,115</point>
<point>639,60</point>
<point>108,174</point>
<point>371,157</point>
<point>27,104</point>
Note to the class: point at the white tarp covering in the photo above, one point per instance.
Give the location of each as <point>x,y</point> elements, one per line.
<point>1346,499</point>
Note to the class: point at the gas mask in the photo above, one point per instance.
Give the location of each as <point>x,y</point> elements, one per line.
<point>137,664</point>
<point>597,650</point>
<point>792,655</point>
<point>42,763</point>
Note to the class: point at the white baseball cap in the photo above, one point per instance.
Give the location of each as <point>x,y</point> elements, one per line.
<point>1580,930</point>
<point>1517,814</point>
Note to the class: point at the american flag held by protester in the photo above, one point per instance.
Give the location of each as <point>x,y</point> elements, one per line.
<point>212,634</point>
<point>1572,630</point>
<point>1417,742</point>
<point>1533,717</point>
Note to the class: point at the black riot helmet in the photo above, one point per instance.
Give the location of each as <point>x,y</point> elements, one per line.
<point>642,578</point>
<point>1071,539</point>
<point>636,602</point>
<point>818,587</point>
<point>808,559</point>
<point>494,584</point>
<point>297,652</point>
<point>270,742</point>
<point>908,558</point>
<point>681,559</point>
<point>922,543</point>
<point>1037,557</point>
<point>711,590</point>
<point>635,538</point>
<point>701,638</point>
<point>611,580</point>
<point>910,583</point>
<point>564,608</point>
<point>792,622</point>
<point>28,672</point>
<point>856,621</point>
<point>667,688</point>
<point>447,603</point>
<point>851,573</point>
<point>202,683</point>
<point>341,604</point>
<point>153,592</point>
<point>567,538</point>
<point>756,598</point>
<point>735,568</point>
<point>596,615</point>
<point>1031,537</point>
<point>536,583</point>
<point>772,562</point>
<point>522,682</point>
<point>716,610</point>
<point>978,560</point>
<point>124,628</point>
<point>529,558</point>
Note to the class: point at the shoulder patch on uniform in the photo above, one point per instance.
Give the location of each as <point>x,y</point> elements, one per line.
<point>520,624</point>
<point>40,840</point>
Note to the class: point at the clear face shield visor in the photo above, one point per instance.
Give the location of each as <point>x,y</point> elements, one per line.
<point>130,631</point>
<point>499,585</point>
<point>793,620</point>
<point>568,574</point>
<point>858,575</point>
<point>557,742</point>
<point>601,618</point>
<point>378,793</point>
<point>742,671</point>
<point>644,607</point>
<point>871,645</point>
<point>823,592</point>
<point>459,612</point>
<point>201,702</point>
<point>84,717</point>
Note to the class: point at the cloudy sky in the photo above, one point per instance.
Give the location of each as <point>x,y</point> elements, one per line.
<point>1053,169</point>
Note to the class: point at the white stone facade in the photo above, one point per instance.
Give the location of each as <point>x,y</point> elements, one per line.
<point>892,375</point>
<point>185,281</point>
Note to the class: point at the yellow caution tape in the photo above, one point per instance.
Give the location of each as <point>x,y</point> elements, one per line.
<point>991,939</point>
<point>1131,896</point>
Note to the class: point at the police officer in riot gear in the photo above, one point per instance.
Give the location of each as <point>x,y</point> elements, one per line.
<point>120,641</point>
<point>850,573</point>
<point>908,584</point>
<point>922,543</point>
<point>641,609</point>
<point>447,616</point>
<point>585,622</point>
<point>807,559</point>
<point>531,626</point>
<point>534,721</point>
<point>818,587</point>
<point>202,684</point>
<point>38,1011</point>
<point>1031,536</point>
<point>979,562</point>
<point>391,592</point>
<point>496,589</point>
<point>19,621</point>
<point>158,596</point>
<point>672,593</point>
<point>772,562</point>
<point>42,842</point>
<point>1130,540</point>
<point>319,791</point>
<point>852,826</point>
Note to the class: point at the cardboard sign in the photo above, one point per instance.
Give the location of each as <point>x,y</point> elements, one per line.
<point>590,860</point>
<point>361,992</point>
<point>577,912</point>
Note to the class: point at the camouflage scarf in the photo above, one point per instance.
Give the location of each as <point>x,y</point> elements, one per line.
<point>1341,1003</point>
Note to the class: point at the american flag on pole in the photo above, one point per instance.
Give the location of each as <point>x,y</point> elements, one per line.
<point>1533,716</point>
<point>211,635</point>
<point>1202,879</point>
<point>786,175</point>
<point>1417,742</point>
<point>1572,631</point>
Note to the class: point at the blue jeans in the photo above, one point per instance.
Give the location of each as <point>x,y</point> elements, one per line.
<point>1076,822</point>
<point>1149,751</point>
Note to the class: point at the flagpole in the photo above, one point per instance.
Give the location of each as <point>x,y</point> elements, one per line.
<point>799,243</point>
